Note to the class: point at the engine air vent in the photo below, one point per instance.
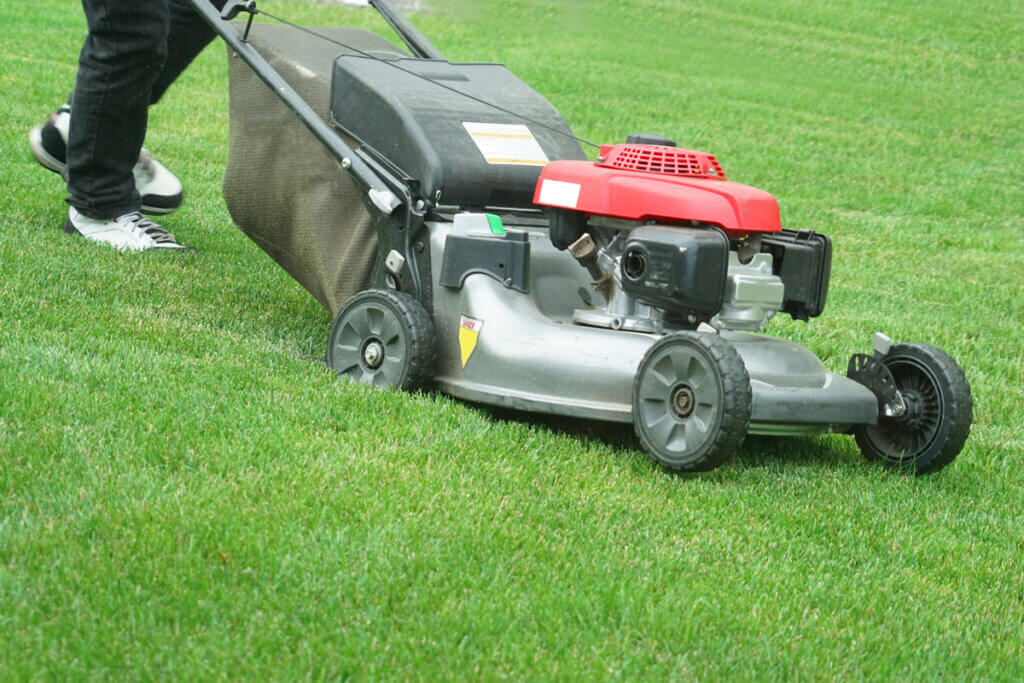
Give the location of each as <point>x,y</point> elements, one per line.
<point>661,159</point>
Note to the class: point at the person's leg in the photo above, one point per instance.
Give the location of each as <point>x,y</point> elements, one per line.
<point>188,35</point>
<point>121,60</point>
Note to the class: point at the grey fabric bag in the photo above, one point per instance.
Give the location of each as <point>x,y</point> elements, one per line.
<point>282,187</point>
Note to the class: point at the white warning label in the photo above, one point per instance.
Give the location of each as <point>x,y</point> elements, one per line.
<point>558,193</point>
<point>501,143</point>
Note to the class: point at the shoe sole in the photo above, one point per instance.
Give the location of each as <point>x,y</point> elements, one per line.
<point>35,142</point>
<point>151,205</point>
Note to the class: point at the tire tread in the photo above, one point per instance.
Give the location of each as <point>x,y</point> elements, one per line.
<point>960,405</point>
<point>738,397</point>
<point>422,338</point>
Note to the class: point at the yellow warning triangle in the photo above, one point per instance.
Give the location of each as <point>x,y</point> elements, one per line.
<point>469,332</point>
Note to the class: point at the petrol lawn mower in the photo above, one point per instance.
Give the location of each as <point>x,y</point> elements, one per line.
<point>498,264</point>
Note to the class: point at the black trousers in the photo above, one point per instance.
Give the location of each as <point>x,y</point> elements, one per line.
<point>134,51</point>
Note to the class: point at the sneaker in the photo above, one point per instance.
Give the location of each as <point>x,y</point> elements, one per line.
<point>161,191</point>
<point>130,232</point>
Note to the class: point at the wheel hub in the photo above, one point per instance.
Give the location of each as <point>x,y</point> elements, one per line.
<point>912,416</point>
<point>373,354</point>
<point>683,401</point>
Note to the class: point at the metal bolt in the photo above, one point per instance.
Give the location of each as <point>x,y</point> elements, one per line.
<point>900,407</point>
<point>683,401</point>
<point>373,354</point>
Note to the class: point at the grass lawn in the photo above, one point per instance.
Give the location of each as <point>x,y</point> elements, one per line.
<point>186,490</point>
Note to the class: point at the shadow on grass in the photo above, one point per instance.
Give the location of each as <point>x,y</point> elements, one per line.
<point>791,452</point>
<point>613,434</point>
<point>796,451</point>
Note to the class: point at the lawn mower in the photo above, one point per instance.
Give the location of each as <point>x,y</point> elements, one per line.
<point>504,267</point>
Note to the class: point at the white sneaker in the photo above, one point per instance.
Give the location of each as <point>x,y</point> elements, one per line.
<point>161,191</point>
<point>130,232</point>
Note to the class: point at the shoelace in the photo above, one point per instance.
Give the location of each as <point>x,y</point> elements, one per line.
<point>152,230</point>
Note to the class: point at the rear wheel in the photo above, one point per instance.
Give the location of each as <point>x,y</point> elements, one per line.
<point>383,338</point>
<point>691,401</point>
<point>936,423</point>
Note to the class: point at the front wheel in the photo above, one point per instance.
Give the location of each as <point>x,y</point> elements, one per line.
<point>934,427</point>
<point>691,401</point>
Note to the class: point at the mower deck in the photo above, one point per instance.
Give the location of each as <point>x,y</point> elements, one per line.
<point>526,346</point>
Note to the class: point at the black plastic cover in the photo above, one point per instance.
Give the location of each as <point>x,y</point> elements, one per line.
<point>803,259</point>
<point>565,227</point>
<point>681,270</point>
<point>418,125</point>
<point>506,259</point>
<point>649,139</point>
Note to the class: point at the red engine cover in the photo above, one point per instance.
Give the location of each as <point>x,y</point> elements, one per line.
<point>638,182</point>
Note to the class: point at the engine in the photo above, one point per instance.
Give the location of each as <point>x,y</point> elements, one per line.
<point>655,278</point>
<point>670,243</point>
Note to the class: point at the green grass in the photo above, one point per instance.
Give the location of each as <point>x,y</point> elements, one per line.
<point>185,490</point>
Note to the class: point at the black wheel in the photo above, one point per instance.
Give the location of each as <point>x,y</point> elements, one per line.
<point>383,338</point>
<point>691,401</point>
<point>932,431</point>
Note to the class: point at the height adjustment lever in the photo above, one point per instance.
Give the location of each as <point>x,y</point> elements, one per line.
<point>232,8</point>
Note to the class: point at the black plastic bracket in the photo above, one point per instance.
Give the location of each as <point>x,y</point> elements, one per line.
<point>871,372</point>
<point>506,259</point>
